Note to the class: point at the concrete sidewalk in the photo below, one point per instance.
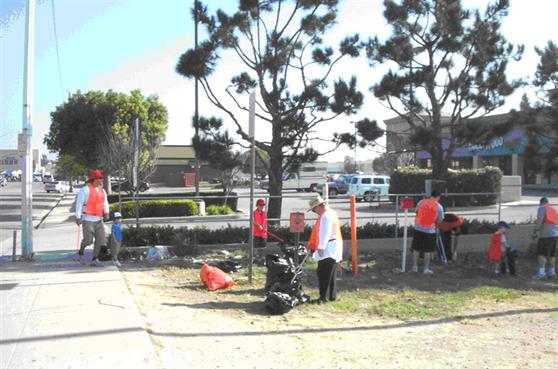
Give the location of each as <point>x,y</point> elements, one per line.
<point>56,313</point>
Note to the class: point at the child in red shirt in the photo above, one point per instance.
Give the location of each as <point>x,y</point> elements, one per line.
<point>500,252</point>
<point>260,225</point>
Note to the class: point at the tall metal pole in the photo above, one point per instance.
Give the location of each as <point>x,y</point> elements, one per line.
<point>196,112</point>
<point>27,175</point>
<point>135,169</point>
<point>251,133</point>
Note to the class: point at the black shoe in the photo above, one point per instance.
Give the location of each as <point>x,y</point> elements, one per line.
<point>318,301</point>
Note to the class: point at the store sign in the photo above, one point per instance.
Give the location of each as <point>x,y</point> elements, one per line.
<point>297,222</point>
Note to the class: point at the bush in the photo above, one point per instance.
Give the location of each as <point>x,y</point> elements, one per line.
<point>232,200</point>
<point>218,210</point>
<point>488,179</point>
<point>157,208</point>
<point>184,237</point>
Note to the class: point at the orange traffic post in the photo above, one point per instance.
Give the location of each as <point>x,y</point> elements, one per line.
<point>354,258</point>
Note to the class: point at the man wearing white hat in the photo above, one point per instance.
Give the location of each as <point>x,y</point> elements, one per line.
<point>327,242</point>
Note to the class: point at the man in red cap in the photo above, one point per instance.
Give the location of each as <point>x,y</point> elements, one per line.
<point>91,209</point>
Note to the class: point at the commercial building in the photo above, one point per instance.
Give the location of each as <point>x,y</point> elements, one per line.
<point>506,152</point>
<point>10,160</point>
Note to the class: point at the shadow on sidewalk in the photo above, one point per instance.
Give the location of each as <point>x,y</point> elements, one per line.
<point>410,324</point>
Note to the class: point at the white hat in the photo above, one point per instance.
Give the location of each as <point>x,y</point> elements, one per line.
<point>117,215</point>
<point>318,200</point>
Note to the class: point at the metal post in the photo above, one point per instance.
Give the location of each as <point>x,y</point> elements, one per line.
<point>500,206</point>
<point>404,258</point>
<point>27,175</point>
<point>196,105</point>
<point>251,129</point>
<point>136,168</point>
<point>326,191</point>
<point>14,248</point>
<point>396,216</point>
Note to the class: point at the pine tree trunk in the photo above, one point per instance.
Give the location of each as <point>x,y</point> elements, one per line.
<point>275,186</point>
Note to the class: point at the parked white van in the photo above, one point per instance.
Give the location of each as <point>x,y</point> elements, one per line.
<point>369,187</point>
<point>306,179</point>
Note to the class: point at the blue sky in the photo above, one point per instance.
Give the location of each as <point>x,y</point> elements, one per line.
<point>128,44</point>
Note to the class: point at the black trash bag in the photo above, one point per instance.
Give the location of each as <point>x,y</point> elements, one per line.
<point>228,266</point>
<point>279,270</point>
<point>278,303</point>
<point>290,251</point>
<point>104,254</point>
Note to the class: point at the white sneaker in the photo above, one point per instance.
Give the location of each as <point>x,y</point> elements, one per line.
<point>116,263</point>
<point>428,271</point>
<point>96,263</point>
<point>414,269</point>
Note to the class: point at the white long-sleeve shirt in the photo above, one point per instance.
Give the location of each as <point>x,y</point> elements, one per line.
<point>326,238</point>
<point>81,200</point>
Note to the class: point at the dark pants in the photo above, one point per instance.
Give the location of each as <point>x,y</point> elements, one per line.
<point>509,259</point>
<point>327,280</point>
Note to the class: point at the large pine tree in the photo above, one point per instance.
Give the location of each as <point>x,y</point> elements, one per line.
<point>285,60</point>
<point>448,64</point>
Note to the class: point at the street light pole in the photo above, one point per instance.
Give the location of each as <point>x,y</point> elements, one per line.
<point>196,112</point>
<point>27,175</point>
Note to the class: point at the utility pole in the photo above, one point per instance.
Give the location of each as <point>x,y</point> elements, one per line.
<point>135,169</point>
<point>27,162</point>
<point>196,112</point>
<point>252,134</point>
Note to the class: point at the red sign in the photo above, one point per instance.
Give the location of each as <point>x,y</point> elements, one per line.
<point>406,203</point>
<point>297,223</point>
<point>189,179</point>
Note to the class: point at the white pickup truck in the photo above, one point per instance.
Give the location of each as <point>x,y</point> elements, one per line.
<point>306,179</point>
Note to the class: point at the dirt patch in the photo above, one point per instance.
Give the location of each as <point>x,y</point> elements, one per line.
<point>461,317</point>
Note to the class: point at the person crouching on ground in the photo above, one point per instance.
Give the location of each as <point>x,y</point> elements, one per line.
<point>500,252</point>
<point>327,241</point>
<point>546,229</point>
<point>428,217</point>
<point>91,209</point>
<point>259,229</point>
<point>115,239</point>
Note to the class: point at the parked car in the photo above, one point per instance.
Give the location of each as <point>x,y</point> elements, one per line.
<point>57,186</point>
<point>306,178</point>
<point>369,187</point>
<point>3,181</point>
<point>339,186</point>
<point>47,177</point>
<point>126,186</point>
<point>37,177</point>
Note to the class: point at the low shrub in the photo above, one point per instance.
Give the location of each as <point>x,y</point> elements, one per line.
<point>184,236</point>
<point>157,208</point>
<point>487,179</point>
<point>218,210</point>
<point>210,198</point>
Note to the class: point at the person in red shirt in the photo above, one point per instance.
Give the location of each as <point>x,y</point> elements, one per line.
<point>260,225</point>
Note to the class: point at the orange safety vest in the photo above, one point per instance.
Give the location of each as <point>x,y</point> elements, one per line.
<point>96,201</point>
<point>427,213</point>
<point>495,248</point>
<point>551,215</point>
<point>313,241</point>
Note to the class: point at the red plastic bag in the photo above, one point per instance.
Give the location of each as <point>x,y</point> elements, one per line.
<point>214,278</point>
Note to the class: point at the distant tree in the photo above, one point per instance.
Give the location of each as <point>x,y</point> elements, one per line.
<point>281,47</point>
<point>446,59</point>
<point>68,168</point>
<point>349,165</point>
<point>540,119</point>
<point>96,129</point>
<point>388,162</point>
<point>216,147</point>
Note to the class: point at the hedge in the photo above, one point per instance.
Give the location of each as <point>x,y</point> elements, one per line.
<point>157,208</point>
<point>184,236</point>
<point>488,179</point>
<point>218,210</point>
<point>232,200</point>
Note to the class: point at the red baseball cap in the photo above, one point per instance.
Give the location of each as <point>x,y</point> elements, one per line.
<point>96,174</point>
<point>260,202</point>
